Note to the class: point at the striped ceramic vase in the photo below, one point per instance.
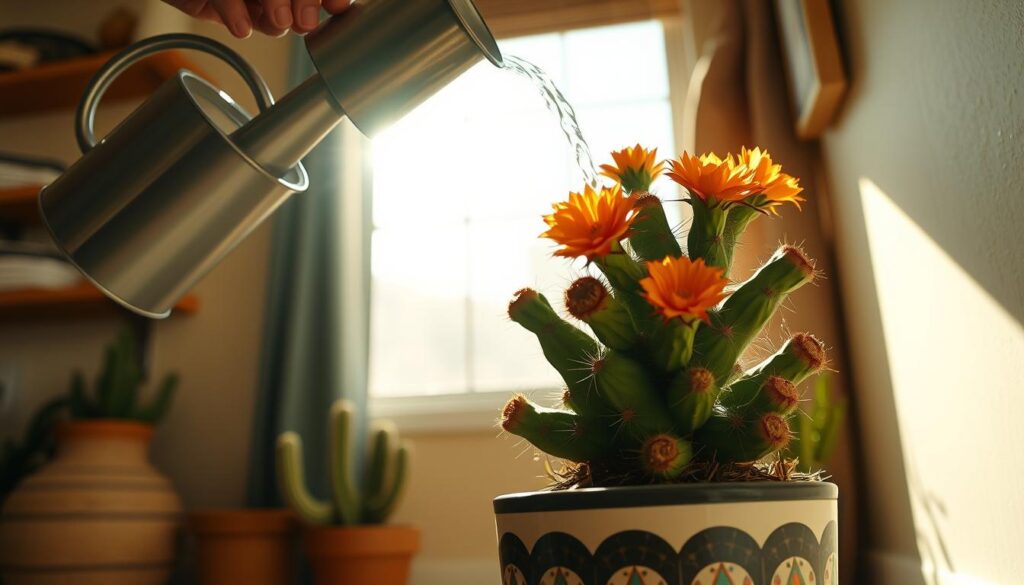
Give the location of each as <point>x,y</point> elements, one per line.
<point>99,513</point>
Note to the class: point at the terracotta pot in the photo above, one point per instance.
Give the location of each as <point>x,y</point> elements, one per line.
<point>361,554</point>
<point>98,513</point>
<point>695,534</point>
<point>244,546</point>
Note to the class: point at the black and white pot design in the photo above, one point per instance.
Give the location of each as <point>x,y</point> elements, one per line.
<point>759,533</point>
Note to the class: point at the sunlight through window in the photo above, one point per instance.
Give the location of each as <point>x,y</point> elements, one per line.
<point>459,188</point>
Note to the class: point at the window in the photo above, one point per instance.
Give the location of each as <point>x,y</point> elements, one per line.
<point>459,187</point>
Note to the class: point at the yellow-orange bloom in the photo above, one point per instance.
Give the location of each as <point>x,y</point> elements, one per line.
<point>590,223</point>
<point>768,179</point>
<point>708,176</point>
<point>635,168</point>
<point>679,287</point>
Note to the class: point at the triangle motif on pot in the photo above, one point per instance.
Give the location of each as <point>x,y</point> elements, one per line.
<point>796,576</point>
<point>560,578</point>
<point>635,579</point>
<point>722,576</point>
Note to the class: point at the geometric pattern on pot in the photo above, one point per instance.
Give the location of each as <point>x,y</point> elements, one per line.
<point>828,558</point>
<point>560,559</point>
<point>515,561</point>
<point>636,557</point>
<point>791,556</point>
<point>721,555</point>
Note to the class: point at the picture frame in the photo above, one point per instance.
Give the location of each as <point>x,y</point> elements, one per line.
<point>813,63</point>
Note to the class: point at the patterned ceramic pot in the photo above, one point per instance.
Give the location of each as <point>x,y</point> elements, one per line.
<point>712,534</point>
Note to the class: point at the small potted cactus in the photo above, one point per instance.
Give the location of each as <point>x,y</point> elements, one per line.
<point>676,467</point>
<point>346,540</point>
<point>99,511</point>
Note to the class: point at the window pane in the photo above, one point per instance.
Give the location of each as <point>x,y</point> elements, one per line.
<point>615,63</point>
<point>418,312</point>
<point>460,186</point>
<point>506,256</point>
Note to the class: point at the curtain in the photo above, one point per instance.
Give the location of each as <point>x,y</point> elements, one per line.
<point>738,97</point>
<point>315,333</point>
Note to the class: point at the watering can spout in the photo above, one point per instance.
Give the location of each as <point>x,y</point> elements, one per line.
<point>154,206</point>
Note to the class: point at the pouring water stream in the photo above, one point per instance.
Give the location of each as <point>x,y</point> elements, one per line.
<point>557,103</point>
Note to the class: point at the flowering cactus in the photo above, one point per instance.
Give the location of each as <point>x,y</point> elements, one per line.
<point>660,388</point>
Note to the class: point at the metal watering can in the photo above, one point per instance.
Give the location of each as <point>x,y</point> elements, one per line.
<point>150,209</point>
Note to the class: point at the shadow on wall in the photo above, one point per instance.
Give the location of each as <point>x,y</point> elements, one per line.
<point>946,342</point>
<point>945,144</point>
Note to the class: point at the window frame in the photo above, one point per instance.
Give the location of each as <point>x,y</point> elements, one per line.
<point>477,411</point>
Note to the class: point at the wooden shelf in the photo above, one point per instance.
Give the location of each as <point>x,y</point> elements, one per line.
<point>54,86</point>
<point>18,204</point>
<point>83,300</point>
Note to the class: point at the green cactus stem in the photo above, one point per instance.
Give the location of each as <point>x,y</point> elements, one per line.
<point>801,356</point>
<point>556,432</point>
<point>569,350</point>
<point>706,238</point>
<point>747,310</point>
<point>118,387</point>
<point>589,300</point>
<point>665,456</point>
<point>621,270</point>
<point>158,406</point>
<point>739,218</point>
<point>626,384</point>
<point>650,234</point>
<point>672,344</point>
<point>691,398</point>
<point>385,476</point>
<point>729,437</point>
<point>818,432</point>
<point>774,394</point>
<point>290,473</point>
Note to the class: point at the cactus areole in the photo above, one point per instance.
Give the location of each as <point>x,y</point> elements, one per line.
<point>653,347</point>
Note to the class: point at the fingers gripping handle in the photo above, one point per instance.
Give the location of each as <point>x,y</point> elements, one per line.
<point>86,112</point>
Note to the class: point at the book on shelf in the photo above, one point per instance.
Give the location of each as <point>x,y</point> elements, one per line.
<point>26,265</point>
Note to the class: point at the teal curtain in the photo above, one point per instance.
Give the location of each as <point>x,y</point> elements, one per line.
<point>315,335</point>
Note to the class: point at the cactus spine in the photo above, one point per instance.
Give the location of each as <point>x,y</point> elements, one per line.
<point>383,481</point>
<point>661,386</point>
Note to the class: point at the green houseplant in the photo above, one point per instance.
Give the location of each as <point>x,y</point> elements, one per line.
<point>347,540</point>
<point>76,518</point>
<point>657,394</point>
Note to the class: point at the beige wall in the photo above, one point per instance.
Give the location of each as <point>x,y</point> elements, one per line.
<point>927,182</point>
<point>203,445</point>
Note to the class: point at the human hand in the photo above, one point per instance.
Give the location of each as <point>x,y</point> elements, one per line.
<point>271,17</point>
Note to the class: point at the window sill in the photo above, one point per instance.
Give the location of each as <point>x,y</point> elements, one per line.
<point>443,413</point>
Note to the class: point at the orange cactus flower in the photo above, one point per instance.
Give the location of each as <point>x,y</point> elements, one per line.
<point>679,287</point>
<point>590,223</point>
<point>709,177</point>
<point>767,178</point>
<point>635,168</point>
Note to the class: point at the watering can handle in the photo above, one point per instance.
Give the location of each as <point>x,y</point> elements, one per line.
<point>86,112</point>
